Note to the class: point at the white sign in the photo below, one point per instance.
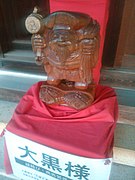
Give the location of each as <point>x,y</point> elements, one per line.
<point>33,161</point>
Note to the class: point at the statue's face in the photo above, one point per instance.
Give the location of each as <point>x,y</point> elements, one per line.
<point>63,42</point>
<point>62,38</point>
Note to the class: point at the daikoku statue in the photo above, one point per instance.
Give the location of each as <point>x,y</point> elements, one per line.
<point>67,44</point>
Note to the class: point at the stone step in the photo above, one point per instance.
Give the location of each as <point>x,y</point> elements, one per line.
<point>125,129</point>
<point>118,77</point>
<point>19,80</point>
<point>4,176</point>
<point>122,172</point>
<point>24,44</point>
<point>123,81</point>
<point>19,55</point>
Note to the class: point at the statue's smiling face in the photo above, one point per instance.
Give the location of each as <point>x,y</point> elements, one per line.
<point>63,42</point>
<point>63,38</point>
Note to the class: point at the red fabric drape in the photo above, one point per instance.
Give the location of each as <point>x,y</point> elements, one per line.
<point>87,133</point>
<point>97,9</point>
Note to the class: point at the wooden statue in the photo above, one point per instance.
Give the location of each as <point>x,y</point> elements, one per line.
<point>67,44</point>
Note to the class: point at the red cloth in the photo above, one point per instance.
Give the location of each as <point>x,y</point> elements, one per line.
<point>87,133</point>
<point>97,9</point>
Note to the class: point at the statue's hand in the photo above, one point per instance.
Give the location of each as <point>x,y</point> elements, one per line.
<point>38,45</point>
<point>38,42</point>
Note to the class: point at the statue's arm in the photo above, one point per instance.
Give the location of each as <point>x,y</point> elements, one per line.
<point>38,46</point>
<point>89,48</point>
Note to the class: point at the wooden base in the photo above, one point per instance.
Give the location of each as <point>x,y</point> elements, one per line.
<point>67,94</point>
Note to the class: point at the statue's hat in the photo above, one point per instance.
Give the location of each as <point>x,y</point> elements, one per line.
<point>67,20</point>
